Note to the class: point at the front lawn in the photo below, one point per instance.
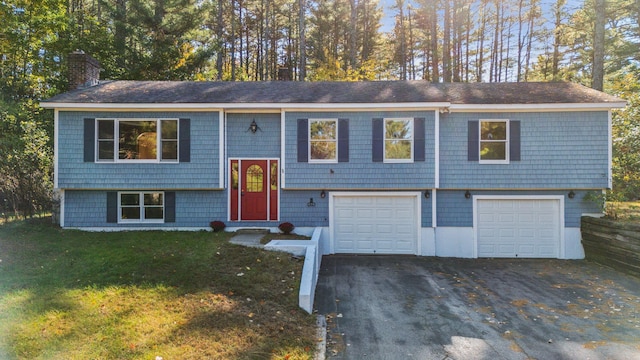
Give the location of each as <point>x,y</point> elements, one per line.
<point>145,295</point>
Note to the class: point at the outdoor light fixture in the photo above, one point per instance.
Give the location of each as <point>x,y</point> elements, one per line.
<point>467,195</point>
<point>426,194</point>
<point>571,194</point>
<point>254,127</point>
<point>323,194</point>
<point>311,203</point>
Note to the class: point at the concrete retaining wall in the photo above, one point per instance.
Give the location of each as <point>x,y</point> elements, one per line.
<point>612,243</point>
<point>310,249</point>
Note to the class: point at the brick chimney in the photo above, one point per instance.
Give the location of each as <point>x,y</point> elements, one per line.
<point>284,74</point>
<point>84,71</point>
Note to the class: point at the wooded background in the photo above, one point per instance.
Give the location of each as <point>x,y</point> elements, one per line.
<point>593,42</point>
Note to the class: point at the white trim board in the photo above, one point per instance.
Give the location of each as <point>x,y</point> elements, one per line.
<point>555,107</point>
<point>408,106</point>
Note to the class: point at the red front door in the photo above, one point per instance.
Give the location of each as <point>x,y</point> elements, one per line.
<point>253,193</point>
<point>254,189</point>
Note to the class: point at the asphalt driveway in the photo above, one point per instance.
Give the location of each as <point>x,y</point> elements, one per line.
<point>406,307</point>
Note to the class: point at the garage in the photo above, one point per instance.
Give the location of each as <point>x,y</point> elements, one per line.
<point>372,223</point>
<point>519,227</point>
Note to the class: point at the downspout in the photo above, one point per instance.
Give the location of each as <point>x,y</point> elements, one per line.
<point>282,148</point>
<point>222,138</point>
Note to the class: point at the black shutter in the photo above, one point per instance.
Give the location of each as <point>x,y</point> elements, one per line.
<point>112,207</point>
<point>343,140</point>
<point>473,141</point>
<point>377,141</point>
<point>514,140</point>
<point>170,206</point>
<point>185,140</point>
<point>89,140</point>
<point>418,139</point>
<point>303,140</point>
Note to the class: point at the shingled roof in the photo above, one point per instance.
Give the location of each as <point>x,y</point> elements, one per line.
<point>292,92</point>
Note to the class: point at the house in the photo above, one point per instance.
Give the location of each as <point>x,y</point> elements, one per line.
<point>398,167</point>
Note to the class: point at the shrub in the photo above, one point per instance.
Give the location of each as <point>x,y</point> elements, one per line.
<point>217,225</point>
<point>286,227</point>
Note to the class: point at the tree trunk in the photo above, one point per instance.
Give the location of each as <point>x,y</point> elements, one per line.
<point>412,60</point>
<point>532,17</point>
<point>446,43</point>
<point>302,54</point>
<point>220,41</point>
<point>435,64</point>
<point>120,35</point>
<point>597,79</point>
<point>480,62</point>
<point>467,42</point>
<point>520,40</point>
<point>353,26</point>
<point>233,40</point>
<point>493,75</point>
<point>555,61</point>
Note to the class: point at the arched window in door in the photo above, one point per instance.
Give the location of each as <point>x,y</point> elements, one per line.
<point>255,176</point>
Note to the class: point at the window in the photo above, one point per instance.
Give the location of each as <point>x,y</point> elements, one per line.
<point>494,141</point>
<point>323,140</point>
<point>140,207</point>
<point>137,140</point>
<point>398,140</point>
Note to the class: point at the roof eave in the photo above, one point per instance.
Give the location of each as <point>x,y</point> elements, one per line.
<point>243,106</point>
<point>334,106</point>
<point>537,107</point>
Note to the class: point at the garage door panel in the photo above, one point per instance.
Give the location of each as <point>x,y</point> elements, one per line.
<point>379,224</point>
<point>531,229</point>
<point>342,212</point>
<point>549,251</point>
<point>505,249</point>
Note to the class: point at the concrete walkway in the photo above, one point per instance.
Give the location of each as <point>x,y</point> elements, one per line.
<point>248,238</point>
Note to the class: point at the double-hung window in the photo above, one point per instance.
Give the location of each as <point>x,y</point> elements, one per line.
<point>323,140</point>
<point>137,140</point>
<point>494,141</point>
<point>141,207</point>
<point>398,140</point>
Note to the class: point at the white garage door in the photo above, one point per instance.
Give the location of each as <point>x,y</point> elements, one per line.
<point>375,224</point>
<point>511,228</point>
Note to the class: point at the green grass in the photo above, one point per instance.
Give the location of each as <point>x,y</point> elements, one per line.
<point>137,295</point>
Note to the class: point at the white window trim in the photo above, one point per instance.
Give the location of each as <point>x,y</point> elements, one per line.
<point>384,141</point>
<point>322,161</point>
<point>141,220</point>
<point>116,132</point>
<point>506,142</point>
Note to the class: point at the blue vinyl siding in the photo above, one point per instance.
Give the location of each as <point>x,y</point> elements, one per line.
<point>559,150</point>
<point>202,172</point>
<point>360,172</point>
<point>293,208</point>
<point>427,214</point>
<point>193,209</point>
<point>457,211</point>
<point>198,208</point>
<point>453,209</point>
<point>265,143</point>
